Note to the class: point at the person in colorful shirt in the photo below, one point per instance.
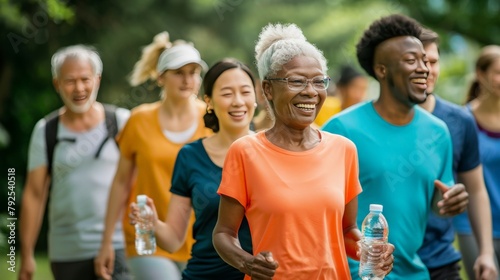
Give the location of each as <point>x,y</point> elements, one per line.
<point>437,251</point>
<point>149,144</point>
<point>483,100</point>
<point>405,153</point>
<point>297,186</point>
<point>229,90</point>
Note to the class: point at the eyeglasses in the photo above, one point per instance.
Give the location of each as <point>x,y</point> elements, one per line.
<point>299,83</point>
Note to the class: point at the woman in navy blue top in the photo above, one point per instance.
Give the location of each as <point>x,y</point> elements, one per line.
<point>229,92</point>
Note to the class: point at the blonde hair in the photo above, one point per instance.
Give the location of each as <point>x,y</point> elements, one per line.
<point>145,68</point>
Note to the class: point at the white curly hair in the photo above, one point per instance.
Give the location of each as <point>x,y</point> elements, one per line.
<point>278,44</point>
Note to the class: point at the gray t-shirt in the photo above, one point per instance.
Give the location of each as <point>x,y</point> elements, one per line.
<point>80,188</point>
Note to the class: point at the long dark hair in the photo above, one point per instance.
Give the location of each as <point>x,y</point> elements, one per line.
<point>489,54</point>
<point>211,120</point>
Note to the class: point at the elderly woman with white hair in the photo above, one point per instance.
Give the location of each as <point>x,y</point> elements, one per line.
<point>296,185</point>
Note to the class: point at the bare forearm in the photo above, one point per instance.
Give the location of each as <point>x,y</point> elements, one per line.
<point>166,237</point>
<point>478,208</point>
<point>116,203</point>
<point>229,249</point>
<point>480,219</point>
<point>351,236</point>
<point>31,220</point>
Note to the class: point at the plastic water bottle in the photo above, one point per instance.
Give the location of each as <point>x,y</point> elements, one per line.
<point>375,231</point>
<point>145,241</point>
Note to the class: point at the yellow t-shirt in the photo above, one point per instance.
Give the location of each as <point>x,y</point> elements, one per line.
<point>294,202</point>
<point>143,142</point>
<point>330,107</point>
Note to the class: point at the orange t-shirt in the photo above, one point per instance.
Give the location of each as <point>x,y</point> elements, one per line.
<point>143,142</point>
<point>294,202</point>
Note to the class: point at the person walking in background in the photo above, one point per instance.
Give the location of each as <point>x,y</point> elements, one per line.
<point>264,118</point>
<point>437,251</point>
<point>350,89</point>
<point>72,159</point>
<point>302,216</point>
<point>483,100</point>
<point>149,144</point>
<point>230,97</point>
<point>405,154</point>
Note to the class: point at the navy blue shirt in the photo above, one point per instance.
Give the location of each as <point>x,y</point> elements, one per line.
<point>197,177</point>
<point>437,249</point>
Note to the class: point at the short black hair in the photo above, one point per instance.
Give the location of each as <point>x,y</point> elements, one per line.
<point>381,30</point>
<point>347,74</point>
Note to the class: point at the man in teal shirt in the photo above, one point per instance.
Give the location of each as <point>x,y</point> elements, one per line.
<point>402,149</point>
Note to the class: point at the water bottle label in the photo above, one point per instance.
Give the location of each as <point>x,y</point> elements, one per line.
<point>374,232</point>
<point>143,231</point>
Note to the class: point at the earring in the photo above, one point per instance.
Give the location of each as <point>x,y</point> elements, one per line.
<point>210,111</point>
<point>255,104</point>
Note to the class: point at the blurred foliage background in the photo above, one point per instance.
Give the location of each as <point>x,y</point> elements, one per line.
<point>32,30</point>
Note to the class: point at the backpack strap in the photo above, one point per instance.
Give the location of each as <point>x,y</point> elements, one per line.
<point>51,127</point>
<point>111,126</point>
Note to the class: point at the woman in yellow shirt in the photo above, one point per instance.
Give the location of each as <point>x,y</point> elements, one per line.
<point>149,144</point>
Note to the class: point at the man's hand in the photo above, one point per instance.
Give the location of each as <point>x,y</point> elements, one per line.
<point>484,268</point>
<point>28,266</point>
<point>455,199</point>
<point>104,262</point>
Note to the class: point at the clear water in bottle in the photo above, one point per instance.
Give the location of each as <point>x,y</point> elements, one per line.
<point>145,241</point>
<point>375,231</point>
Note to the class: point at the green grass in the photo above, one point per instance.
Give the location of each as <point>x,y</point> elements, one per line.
<point>42,269</point>
<point>463,274</point>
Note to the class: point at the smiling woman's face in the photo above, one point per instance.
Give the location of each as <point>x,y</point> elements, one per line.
<point>296,109</point>
<point>233,99</point>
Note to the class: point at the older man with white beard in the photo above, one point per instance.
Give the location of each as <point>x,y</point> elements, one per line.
<point>75,170</point>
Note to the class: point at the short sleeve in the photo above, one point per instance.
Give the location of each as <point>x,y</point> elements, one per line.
<point>469,158</point>
<point>233,183</point>
<point>353,186</point>
<point>126,138</point>
<point>446,174</point>
<point>180,177</point>
<point>335,126</point>
<point>37,155</point>
<point>122,115</point>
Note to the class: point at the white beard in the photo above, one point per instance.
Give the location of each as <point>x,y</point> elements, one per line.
<point>80,109</point>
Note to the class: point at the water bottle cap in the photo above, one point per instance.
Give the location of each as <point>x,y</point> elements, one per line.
<point>141,199</point>
<point>376,207</point>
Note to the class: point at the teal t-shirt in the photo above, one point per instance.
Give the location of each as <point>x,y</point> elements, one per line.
<point>197,177</point>
<point>397,168</point>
